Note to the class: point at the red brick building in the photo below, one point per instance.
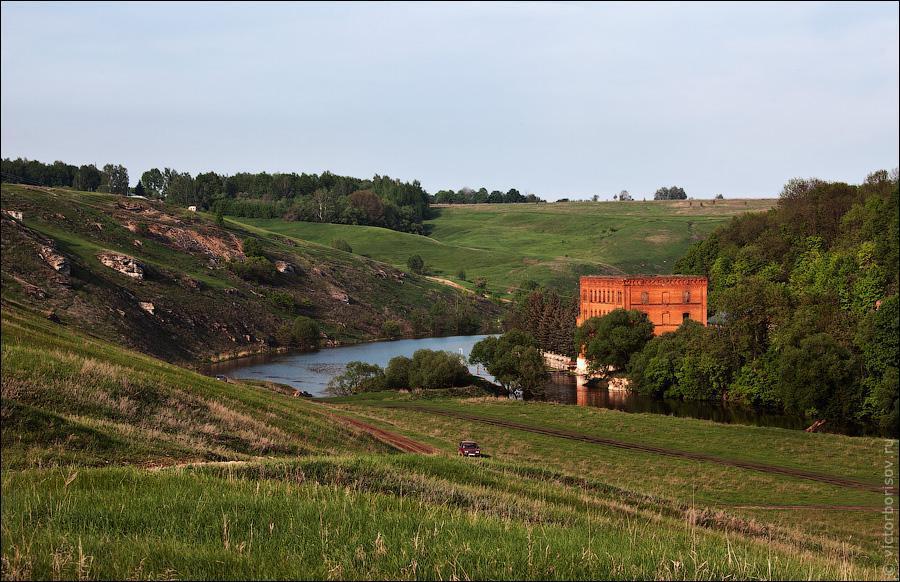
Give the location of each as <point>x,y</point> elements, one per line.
<point>667,300</point>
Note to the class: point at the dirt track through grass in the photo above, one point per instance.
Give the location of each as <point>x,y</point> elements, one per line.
<point>395,440</point>
<point>820,477</point>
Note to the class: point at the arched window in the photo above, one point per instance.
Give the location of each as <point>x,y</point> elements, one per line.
<point>686,297</point>
<point>685,316</point>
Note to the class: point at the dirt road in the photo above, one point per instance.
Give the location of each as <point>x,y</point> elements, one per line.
<point>798,473</point>
<point>395,440</point>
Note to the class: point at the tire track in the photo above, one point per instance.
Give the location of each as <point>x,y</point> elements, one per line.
<point>763,468</point>
<point>395,440</point>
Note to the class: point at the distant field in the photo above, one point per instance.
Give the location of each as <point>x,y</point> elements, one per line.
<point>550,243</point>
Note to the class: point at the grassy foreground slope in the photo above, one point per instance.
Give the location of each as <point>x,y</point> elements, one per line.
<point>549,243</point>
<point>94,445</point>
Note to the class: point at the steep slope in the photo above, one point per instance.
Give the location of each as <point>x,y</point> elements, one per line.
<point>163,280</point>
<point>68,398</point>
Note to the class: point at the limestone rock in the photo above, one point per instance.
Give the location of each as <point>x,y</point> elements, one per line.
<point>284,267</point>
<point>124,264</point>
<point>147,306</point>
<point>55,260</point>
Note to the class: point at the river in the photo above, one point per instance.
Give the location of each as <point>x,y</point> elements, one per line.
<point>311,371</point>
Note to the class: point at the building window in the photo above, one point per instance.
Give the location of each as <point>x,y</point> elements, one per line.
<point>645,297</point>
<point>686,297</point>
<point>618,298</point>
<point>685,316</point>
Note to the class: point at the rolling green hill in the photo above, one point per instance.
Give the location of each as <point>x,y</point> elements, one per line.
<point>551,244</point>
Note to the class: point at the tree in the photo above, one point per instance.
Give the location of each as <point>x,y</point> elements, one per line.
<point>369,204</point>
<point>396,374</point>
<point>154,183</point>
<point>514,361</point>
<point>813,374</point>
<point>357,378</point>
<point>608,342</point>
<point>139,189</point>
<point>719,197</point>
<point>416,264</point>
<point>672,193</point>
<point>431,369</point>
<point>115,177</point>
<point>88,178</point>
<point>595,198</point>
<point>624,196</point>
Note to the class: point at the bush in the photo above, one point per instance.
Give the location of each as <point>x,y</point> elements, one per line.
<point>253,268</point>
<point>252,247</point>
<point>396,375</point>
<point>283,300</point>
<point>481,283</point>
<point>461,275</point>
<point>416,264</point>
<point>358,377</point>
<point>303,332</point>
<point>391,329</point>
<point>341,245</point>
<point>435,369</point>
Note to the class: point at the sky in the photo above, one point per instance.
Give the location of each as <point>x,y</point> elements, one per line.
<point>557,99</point>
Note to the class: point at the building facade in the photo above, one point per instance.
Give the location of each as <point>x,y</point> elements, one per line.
<point>667,300</point>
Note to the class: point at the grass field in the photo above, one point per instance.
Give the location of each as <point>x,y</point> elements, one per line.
<point>549,243</point>
<point>117,465</point>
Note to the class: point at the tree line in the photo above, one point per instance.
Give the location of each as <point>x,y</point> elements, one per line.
<point>326,197</point>
<point>482,196</point>
<point>111,178</point>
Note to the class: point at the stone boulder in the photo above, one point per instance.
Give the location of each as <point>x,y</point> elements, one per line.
<point>147,306</point>
<point>128,266</point>
<point>54,259</point>
<point>284,267</point>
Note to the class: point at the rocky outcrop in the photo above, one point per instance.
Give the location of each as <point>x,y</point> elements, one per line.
<point>284,267</point>
<point>222,247</point>
<point>59,263</point>
<point>147,306</point>
<point>128,266</point>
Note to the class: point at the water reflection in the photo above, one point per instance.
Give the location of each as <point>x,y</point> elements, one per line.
<point>568,389</point>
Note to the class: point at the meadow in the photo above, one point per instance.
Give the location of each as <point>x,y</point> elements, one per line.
<point>118,465</point>
<point>551,244</point>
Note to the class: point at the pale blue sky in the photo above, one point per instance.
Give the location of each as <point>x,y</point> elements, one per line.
<point>561,99</point>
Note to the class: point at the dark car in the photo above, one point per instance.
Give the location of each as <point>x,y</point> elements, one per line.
<point>469,449</point>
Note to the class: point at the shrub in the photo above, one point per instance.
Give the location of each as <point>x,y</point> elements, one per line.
<point>254,268</point>
<point>303,332</point>
<point>481,283</point>
<point>283,300</point>
<point>252,247</point>
<point>358,377</point>
<point>391,329</point>
<point>461,275</point>
<point>396,375</point>
<point>341,245</point>
<point>436,369</point>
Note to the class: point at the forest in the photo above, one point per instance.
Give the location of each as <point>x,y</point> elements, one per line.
<point>803,305</point>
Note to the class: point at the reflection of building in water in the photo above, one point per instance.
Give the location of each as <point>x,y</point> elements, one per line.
<point>599,396</point>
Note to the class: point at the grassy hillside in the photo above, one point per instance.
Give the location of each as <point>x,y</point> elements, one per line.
<point>200,307</point>
<point>548,243</point>
<point>95,440</point>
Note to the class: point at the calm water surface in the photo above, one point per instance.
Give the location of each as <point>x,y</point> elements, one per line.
<point>311,371</point>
